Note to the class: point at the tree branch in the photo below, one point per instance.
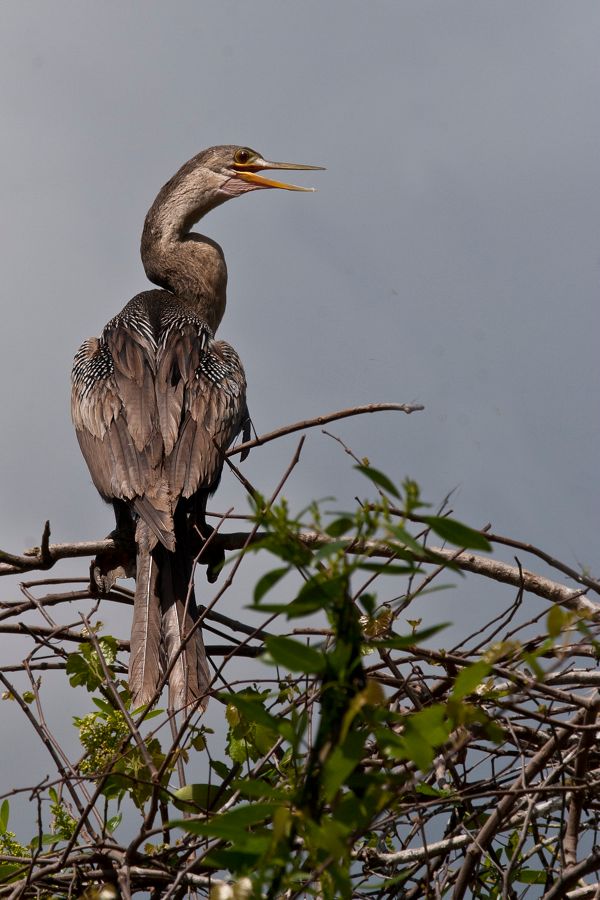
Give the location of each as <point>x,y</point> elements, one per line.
<point>407,408</point>
<point>572,598</point>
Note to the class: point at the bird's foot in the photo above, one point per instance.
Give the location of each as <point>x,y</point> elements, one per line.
<point>109,565</point>
<point>207,550</point>
<point>214,566</point>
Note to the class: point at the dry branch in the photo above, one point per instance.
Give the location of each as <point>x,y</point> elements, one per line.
<point>486,808</point>
<point>407,408</point>
<point>571,598</point>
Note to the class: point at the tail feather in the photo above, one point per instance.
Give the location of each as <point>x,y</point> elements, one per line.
<point>155,512</point>
<point>145,663</point>
<point>189,676</point>
<point>163,636</point>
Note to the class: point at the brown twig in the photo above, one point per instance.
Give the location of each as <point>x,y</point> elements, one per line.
<point>484,836</point>
<point>571,598</point>
<point>407,408</point>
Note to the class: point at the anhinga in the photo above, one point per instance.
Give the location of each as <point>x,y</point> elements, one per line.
<point>156,401</point>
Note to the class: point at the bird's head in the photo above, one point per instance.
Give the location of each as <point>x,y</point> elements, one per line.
<point>201,184</point>
<point>237,170</point>
<point>220,173</point>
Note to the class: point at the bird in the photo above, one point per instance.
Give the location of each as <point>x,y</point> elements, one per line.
<point>156,400</point>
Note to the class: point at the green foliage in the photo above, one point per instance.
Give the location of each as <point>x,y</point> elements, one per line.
<point>319,796</point>
<point>252,730</point>
<point>458,534</point>
<point>200,798</point>
<point>101,734</point>
<point>336,746</point>
<point>84,667</point>
<point>380,480</point>
<point>63,824</point>
<point>295,656</point>
<point>469,678</point>
<point>10,847</point>
<point>106,738</point>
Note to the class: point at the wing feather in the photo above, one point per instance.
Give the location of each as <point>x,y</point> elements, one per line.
<point>216,410</point>
<point>154,417</point>
<point>133,361</point>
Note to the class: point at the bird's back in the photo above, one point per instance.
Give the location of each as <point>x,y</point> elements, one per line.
<point>155,402</point>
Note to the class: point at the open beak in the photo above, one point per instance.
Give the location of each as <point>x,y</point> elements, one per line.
<point>250,174</point>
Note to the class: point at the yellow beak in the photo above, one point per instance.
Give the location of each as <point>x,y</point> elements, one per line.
<point>250,174</point>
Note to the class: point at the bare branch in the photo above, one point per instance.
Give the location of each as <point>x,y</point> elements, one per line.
<point>571,598</point>
<point>407,408</point>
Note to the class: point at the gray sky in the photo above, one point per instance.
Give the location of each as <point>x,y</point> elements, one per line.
<point>450,256</point>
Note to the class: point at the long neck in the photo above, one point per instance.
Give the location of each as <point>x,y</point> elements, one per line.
<point>191,266</point>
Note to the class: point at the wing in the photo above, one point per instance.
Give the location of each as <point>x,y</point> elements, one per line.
<point>113,407</point>
<point>207,397</point>
<point>154,419</point>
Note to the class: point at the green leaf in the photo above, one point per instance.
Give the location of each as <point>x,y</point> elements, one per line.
<point>195,797</point>
<point>428,791</point>
<point>531,876</point>
<point>494,732</point>
<point>424,733</point>
<point>341,763</point>
<point>48,840</point>
<point>380,479</point>
<point>340,526</point>
<point>265,726</point>
<point>8,871</point>
<point>254,711</point>
<point>264,738</point>
<point>329,549</point>
<point>268,581</point>
<point>114,823</point>
<point>153,713</point>
<point>458,534</point>
<point>555,620</point>
<point>286,546</point>
<point>229,825</point>
<point>257,789</point>
<point>401,642</point>
<point>406,539</point>
<point>531,660</point>
<point>114,787</point>
<point>469,678</point>
<point>4,813</point>
<point>295,656</point>
<point>330,836</point>
<point>233,860</point>
<point>238,749</point>
<point>220,768</point>
<point>319,592</point>
<point>368,602</point>
<point>81,672</point>
<point>273,608</point>
<point>389,569</point>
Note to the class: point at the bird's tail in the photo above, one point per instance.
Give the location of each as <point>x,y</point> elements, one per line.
<point>163,637</point>
<point>185,656</point>
<point>146,656</point>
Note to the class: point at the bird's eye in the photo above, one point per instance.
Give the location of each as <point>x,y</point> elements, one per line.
<point>242,156</point>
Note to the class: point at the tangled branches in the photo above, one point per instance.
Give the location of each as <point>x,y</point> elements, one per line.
<point>370,759</point>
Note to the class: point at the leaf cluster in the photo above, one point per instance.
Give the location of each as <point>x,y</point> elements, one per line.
<point>365,739</point>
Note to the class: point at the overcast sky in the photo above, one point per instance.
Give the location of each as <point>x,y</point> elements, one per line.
<point>451,255</point>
